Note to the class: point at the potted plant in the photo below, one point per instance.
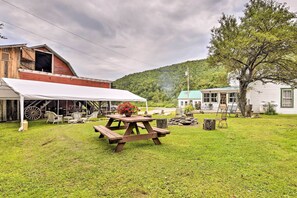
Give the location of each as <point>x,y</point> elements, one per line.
<point>127,108</point>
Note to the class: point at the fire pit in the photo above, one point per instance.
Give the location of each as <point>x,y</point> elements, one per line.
<point>181,121</point>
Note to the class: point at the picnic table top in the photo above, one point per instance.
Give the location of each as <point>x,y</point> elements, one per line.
<point>130,119</point>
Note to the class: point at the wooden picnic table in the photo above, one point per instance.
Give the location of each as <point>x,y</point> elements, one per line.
<point>130,123</point>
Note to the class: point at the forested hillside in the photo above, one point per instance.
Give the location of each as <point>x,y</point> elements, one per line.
<point>162,86</point>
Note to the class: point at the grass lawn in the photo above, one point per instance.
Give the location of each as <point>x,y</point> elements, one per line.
<point>252,158</point>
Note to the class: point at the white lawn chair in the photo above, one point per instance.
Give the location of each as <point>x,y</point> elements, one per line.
<point>77,118</point>
<point>93,115</point>
<point>54,118</point>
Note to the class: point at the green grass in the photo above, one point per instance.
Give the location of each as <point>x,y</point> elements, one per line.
<point>252,158</point>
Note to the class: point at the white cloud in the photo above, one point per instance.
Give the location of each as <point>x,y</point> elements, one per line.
<point>126,36</point>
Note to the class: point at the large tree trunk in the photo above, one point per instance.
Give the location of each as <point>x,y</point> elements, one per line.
<point>242,96</point>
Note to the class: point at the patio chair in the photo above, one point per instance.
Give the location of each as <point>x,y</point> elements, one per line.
<point>77,118</point>
<point>93,115</point>
<point>54,118</point>
<point>223,120</point>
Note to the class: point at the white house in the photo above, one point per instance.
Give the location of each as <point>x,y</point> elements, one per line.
<point>214,97</point>
<point>280,95</point>
<point>193,97</point>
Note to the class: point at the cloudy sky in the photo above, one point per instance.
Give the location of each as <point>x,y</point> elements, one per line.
<point>108,39</point>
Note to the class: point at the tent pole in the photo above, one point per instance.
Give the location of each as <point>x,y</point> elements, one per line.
<point>22,112</point>
<point>146,106</point>
<point>58,107</point>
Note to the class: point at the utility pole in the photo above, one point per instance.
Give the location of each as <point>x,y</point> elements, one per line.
<point>188,84</point>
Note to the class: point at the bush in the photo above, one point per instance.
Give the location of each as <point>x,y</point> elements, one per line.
<point>188,109</point>
<point>270,109</point>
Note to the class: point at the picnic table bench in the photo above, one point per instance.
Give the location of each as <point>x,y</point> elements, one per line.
<point>130,123</point>
<point>159,131</point>
<point>112,136</point>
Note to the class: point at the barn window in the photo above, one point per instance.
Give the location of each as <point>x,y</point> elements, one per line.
<point>43,61</point>
<point>287,98</point>
<point>5,59</point>
<point>5,56</point>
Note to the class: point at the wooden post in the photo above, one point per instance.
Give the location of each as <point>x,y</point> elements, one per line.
<point>248,109</point>
<point>4,110</point>
<point>209,124</point>
<point>1,110</point>
<point>161,123</point>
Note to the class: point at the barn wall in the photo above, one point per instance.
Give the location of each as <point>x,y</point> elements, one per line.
<point>9,67</point>
<point>60,67</point>
<point>58,79</point>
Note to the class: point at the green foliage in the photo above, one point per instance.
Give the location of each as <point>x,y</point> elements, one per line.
<point>270,109</point>
<point>188,109</point>
<point>260,47</point>
<point>252,158</point>
<point>162,86</point>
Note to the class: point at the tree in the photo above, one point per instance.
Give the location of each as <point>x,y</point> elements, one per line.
<point>1,27</point>
<point>262,46</point>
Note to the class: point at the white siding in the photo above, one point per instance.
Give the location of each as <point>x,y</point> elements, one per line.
<point>260,94</point>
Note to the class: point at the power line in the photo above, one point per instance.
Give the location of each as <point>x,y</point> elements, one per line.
<point>77,35</point>
<point>59,43</point>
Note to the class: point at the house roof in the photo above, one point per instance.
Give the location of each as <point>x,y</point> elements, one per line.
<point>222,89</point>
<point>56,54</point>
<point>194,94</point>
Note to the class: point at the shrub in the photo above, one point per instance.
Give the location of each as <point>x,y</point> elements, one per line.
<point>188,108</point>
<point>270,109</point>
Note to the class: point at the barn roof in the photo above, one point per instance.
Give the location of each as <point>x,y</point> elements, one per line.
<point>13,45</point>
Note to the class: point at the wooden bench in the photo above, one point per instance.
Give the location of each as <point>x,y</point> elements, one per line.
<point>113,137</point>
<point>159,131</point>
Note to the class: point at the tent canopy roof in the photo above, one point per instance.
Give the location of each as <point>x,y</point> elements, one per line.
<point>37,90</point>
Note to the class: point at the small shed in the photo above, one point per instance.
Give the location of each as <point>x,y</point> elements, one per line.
<point>193,97</point>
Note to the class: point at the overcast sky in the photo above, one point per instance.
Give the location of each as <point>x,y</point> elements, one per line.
<point>108,39</point>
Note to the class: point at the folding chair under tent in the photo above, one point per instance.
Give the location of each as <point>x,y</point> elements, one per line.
<point>18,89</point>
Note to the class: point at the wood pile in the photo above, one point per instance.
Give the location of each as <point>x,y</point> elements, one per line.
<point>183,120</point>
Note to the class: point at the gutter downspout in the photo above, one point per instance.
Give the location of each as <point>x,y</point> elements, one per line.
<point>21,113</point>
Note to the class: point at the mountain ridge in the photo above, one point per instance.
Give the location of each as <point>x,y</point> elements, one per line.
<point>161,86</point>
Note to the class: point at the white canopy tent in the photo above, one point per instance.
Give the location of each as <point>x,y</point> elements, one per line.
<point>17,89</point>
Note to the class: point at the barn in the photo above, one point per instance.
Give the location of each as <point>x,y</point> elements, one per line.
<point>41,63</point>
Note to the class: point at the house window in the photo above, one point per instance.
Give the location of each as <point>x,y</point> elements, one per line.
<point>287,98</point>
<point>214,97</point>
<point>186,103</point>
<point>232,97</point>
<point>43,61</point>
<point>181,103</point>
<point>206,97</point>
